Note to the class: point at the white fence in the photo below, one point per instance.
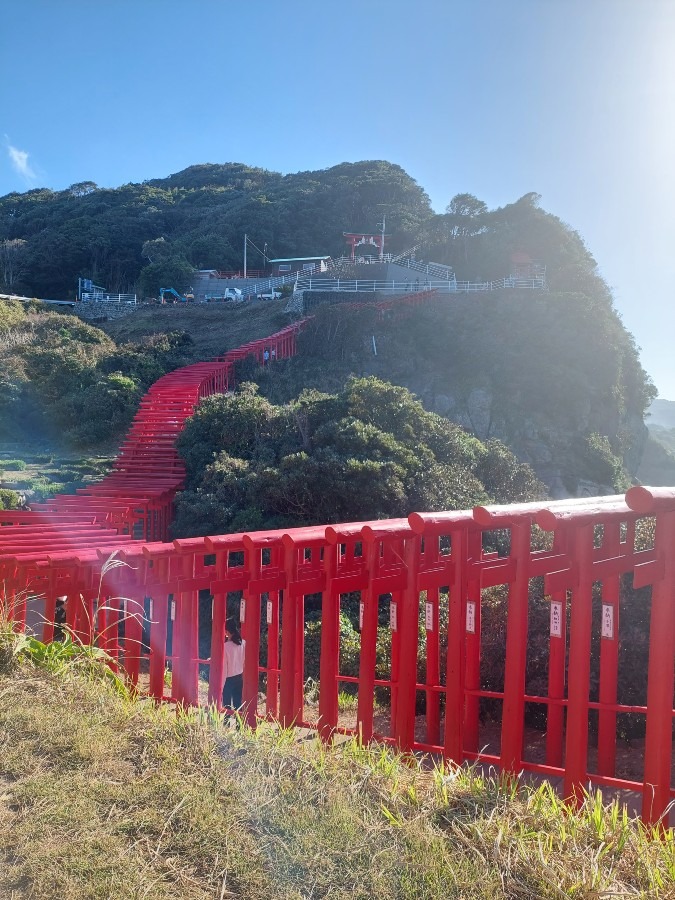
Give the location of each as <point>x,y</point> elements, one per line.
<point>97,297</point>
<point>428,269</point>
<point>402,287</point>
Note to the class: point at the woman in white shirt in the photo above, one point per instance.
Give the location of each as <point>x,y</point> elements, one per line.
<point>235,647</point>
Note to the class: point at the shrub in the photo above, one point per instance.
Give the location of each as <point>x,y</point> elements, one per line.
<point>9,499</point>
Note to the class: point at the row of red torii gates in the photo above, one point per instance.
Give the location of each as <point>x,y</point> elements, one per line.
<point>426,574</point>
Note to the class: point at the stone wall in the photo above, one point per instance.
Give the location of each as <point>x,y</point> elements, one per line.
<point>93,311</point>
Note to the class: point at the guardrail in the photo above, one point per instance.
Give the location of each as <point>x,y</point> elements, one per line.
<point>39,299</point>
<point>430,270</point>
<point>436,277</point>
<point>399,287</point>
<point>96,297</point>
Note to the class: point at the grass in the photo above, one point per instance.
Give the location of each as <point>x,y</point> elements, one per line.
<point>12,465</point>
<point>347,702</point>
<point>105,795</point>
<point>40,475</point>
<point>214,328</point>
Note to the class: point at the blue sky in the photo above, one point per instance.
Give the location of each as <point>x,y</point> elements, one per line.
<point>573,99</point>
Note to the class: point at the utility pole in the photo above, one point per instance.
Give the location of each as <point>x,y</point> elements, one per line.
<point>245,242</point>
<point>383,223</point>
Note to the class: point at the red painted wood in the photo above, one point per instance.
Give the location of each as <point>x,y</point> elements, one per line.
<point>576,750</point>
<point>659,739</point>
<point>609,660</point>
<point>557,654</point>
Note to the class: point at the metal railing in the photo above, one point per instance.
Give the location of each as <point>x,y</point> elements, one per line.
<point>538,282</point>
<point>430,269</point>
<point>403,287</point>
<point>98,297</point>
<point>444,281</point>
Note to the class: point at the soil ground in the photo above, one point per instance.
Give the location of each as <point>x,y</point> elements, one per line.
<point>214,328</point>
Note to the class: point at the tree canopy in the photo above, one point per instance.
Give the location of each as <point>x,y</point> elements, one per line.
<point>554,374</point>
<point>200,215</point>
<point>369,451</point>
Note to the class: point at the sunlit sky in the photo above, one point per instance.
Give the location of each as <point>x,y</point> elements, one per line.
<point>573,99</point>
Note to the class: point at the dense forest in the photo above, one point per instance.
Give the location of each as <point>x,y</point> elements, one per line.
<point>554,375</point>
<point>140,234</point>
<point>137,235</point>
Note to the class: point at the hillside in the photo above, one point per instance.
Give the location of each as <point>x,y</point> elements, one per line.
<point>553,374</point>
<point>657,466</point>
<point>661,413</point>
<point>73,386</point>
<point>212,328</point>
<point>571,408</point>
<point>184,806</point>
<point>195,218</point>
<point>554,377</point>
<point>369,451</point>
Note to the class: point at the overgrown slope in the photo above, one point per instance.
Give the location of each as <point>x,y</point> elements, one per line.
<point>370,451</point>
<point>555,376</point>
<point>74,385</point>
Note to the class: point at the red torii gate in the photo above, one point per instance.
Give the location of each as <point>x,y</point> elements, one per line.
<point>430,567</point>
<point>360,239</point>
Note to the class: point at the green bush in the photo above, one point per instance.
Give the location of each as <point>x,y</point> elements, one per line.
<point>370,451</point>
<point>12,465</point>
<point>9,499</point>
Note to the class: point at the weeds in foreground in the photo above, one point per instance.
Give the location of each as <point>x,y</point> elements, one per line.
<point>347,702</point>
<point>70,654</point>
<point>105,795</point>
<point>403,826</point>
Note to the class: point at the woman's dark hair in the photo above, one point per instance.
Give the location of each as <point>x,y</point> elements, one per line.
<point>233,630</point>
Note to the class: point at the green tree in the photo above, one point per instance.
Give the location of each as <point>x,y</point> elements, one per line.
<point>370,451</point>
<point>82,188</point>
<point>175,272</point>
<point>13,260</point>
<point>11,314</point>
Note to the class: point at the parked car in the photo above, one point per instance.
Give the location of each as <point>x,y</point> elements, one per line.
<point>234,295</point>
<point>270,295</point>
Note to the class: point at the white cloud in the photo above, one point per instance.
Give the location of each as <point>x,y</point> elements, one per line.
<point>19,161</point>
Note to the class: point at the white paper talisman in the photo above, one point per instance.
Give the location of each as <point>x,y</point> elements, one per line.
<point>471,617</point>
<point>607,621</point>
<point>556,618</point>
